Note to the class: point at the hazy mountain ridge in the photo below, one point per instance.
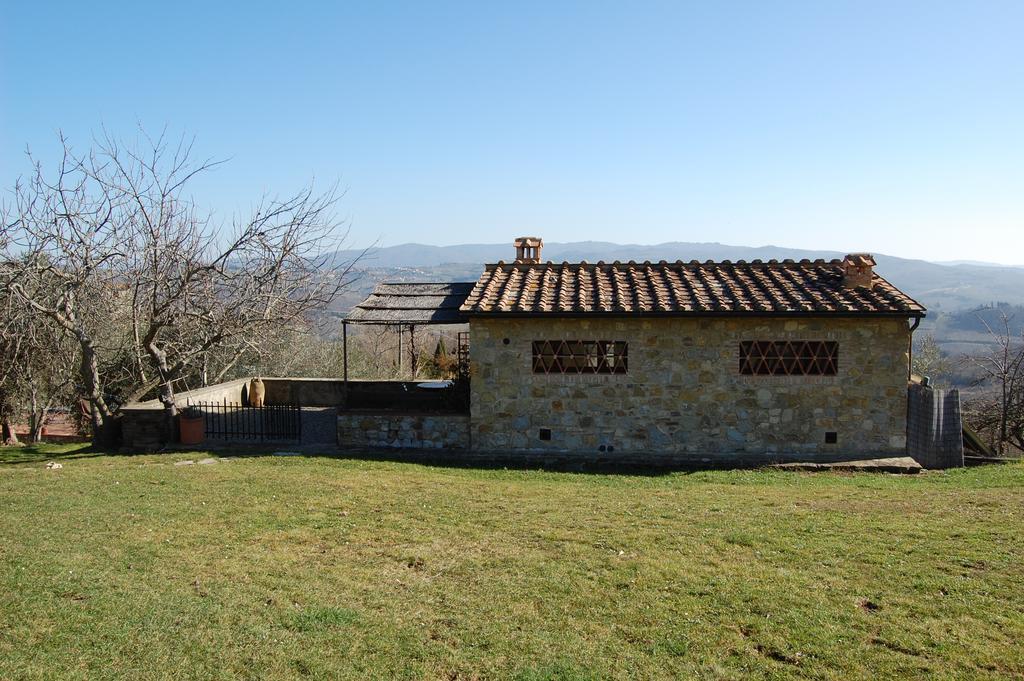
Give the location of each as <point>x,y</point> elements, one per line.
<point>939,287</point>
<point>978,263</point>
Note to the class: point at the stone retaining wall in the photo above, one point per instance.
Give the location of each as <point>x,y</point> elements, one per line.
<point>360,430</point>
<point>683,397</point>
<point>142,422</point>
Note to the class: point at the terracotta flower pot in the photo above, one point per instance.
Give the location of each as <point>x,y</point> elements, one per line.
<point>192,430</point>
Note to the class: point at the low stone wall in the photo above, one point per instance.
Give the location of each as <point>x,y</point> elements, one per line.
<point>398,430</point>
<point>143,429</point>
<point>308,392</point>
<point>397,396</point>
<point>142,423</point>
<point>232,391</point>
<point>356,394</point>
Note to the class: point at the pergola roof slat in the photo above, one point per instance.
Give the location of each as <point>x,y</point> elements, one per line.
<point>412,304</point>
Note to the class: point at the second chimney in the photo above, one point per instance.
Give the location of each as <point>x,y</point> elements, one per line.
<point>858,270</point>
<point>528,249</point>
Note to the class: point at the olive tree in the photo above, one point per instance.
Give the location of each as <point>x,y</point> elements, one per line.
<point>12,357</point>
<point>37,364</point>
<point>111,246</point>
<point>998,407</point>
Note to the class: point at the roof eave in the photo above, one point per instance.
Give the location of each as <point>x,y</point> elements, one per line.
<point>902,314</point>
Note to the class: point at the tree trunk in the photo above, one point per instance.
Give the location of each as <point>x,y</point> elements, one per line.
<point>36,433</point>
<point>40,415</point>
<point>98,409</point>
<point>108,435</point>
<point>7,434</point>
<point>159,357</point>
<point>35,421</point>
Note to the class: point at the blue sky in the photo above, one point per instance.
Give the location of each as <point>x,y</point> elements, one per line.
<point>890,127</point>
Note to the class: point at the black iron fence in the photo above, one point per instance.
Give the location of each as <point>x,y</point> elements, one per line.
<point>234,421</point>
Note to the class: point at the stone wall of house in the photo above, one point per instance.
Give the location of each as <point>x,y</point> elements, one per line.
<point>683,398</point>
<point>397,430</point>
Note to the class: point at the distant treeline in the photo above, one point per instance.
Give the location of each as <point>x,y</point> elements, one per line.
<point>989,316</point>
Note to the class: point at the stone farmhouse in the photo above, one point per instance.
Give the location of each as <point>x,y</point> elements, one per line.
<point>684,360</point>
<point>666,363</point>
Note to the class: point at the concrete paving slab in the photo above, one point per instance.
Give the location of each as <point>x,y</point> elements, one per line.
<point>897,464</point>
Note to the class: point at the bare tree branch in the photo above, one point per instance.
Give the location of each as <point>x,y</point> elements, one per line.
<point>115,253</point>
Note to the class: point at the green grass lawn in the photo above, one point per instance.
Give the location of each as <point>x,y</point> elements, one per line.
<point>129,566</point>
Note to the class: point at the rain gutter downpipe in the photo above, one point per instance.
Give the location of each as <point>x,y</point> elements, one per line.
<point>910,348</point>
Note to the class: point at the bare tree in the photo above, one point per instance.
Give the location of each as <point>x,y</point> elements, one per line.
<point>12,355</point>
<point>1000,410</point>
<point>37,369</point>
<point>46,376</point>
<point>115,230</point>
<point>67,232</point>
<point>928,359</point>
<point>374,351</point>
<point>303,350</point>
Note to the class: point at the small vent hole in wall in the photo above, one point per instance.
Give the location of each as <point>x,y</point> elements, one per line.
<point>831,437</point>
<point>545,434</point>
<point>505,341</point>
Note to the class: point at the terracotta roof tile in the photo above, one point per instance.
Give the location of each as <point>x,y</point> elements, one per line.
<point>682,288</point>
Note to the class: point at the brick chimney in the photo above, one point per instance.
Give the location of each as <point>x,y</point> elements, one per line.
<point>858,269</point>
<point>528,249</point>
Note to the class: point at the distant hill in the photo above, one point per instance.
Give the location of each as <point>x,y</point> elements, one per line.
<point>987,318</point>
<point>939,287</point>
<point>969,331</point>
<point>961,298</point>
<point>980,263</point>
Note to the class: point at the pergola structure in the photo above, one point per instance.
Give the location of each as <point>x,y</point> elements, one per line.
<point>408,304</point>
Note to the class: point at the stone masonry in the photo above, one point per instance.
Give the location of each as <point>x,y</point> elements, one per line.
<point>683,396</point>
<point>403,431</point>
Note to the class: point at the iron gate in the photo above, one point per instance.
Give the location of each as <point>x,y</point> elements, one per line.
<point>235,421</point>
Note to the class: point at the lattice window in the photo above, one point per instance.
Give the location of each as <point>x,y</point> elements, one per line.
<point>789,358</point>
<point>580,357</point>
